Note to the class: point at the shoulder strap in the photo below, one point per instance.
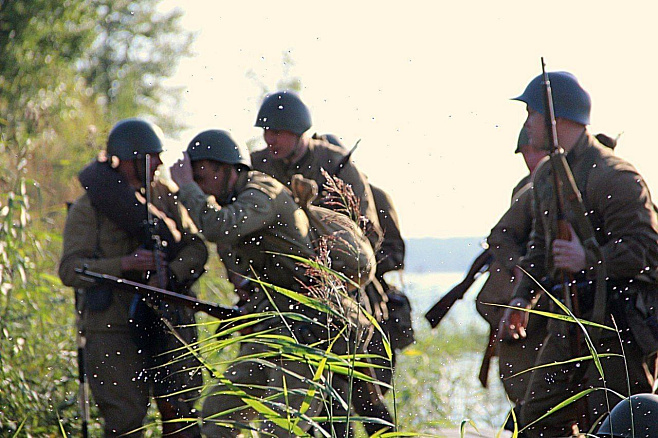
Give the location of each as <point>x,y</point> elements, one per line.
<point>589,242</point>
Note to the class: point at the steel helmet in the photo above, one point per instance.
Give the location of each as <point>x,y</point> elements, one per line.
<point>284,111</point>
<point>570,100</point>
<point>217,145</point>
<point>644,423</point>
<point>133,138</point>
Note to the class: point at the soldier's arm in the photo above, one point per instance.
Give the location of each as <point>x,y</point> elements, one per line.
<point>534,260</point>
<point>192,255</point>
<point>390,256</point>
<point>630,225</point>
<point>251,211</point>
<point>508,238</point>
<point>81,235</point>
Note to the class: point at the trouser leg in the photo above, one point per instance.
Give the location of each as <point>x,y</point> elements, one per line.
<point>177,380</point>
<point>115,370</point>
<point>550,386</point>
<point>280,385</point>
<point>224,412</point>
<point>516,356</point>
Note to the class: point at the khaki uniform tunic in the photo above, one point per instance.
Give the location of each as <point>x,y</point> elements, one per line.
<point>323,155</point>
<point>507,243</point>
<point>390,256</point>
<point>115,366</point>
<point>621,212</point>
<point>263,219</point>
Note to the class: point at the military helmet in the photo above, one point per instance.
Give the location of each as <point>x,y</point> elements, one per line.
<point>331,138</point>
<point>643,423</point>
<point>570,100</point>
<point>284,111</point>
<point>133,138</point>
<point>217,145</point>
<point>522,141</point>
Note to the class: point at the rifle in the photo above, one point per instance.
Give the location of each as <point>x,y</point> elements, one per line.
<point>490,352</point>
<point>439,310</point>
<point>156,240</point>
<point>562,175</point>
<point>83,387</point>
<point>215,310</point>
<point>345,160</point>
<point>569,290</point>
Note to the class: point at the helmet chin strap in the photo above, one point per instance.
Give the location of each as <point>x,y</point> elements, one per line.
<point>141,173</point>
<point>230,191</point>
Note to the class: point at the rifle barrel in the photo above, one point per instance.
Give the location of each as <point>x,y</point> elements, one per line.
<point>569,290</point>
<point>212,309</point>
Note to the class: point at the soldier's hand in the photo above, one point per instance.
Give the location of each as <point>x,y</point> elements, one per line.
<point>141,260</point>
<point>569,255</point>
<point>514,321</point>
<point>181,171</point>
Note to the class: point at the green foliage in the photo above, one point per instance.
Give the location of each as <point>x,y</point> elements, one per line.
<point>436,385</point>
<point>132,56</point>
<point>39,42</point>
<point>51,124</point>
<point>36,365</point>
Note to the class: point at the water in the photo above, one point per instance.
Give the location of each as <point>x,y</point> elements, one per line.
<point>425,289</point>
<point>441,374</point>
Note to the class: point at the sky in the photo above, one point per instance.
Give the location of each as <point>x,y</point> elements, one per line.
<point>425,86</point>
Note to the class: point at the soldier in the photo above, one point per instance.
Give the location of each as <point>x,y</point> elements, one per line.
<point>390,259</point>
<point>507,243</point>
<point>258,219</point>
<point>107,231</point>
<point>290,150</point>
<point>621,213</point>
<point>285,120</point>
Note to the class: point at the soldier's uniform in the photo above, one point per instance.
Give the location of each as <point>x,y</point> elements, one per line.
<point>621,212</point>
<point>507,244</point>
<point>259,225</point>
<point>390,256</point>
<point>120,373</point>
<point>323,155</point>
<point>284,111</point>
<point>262,221</point>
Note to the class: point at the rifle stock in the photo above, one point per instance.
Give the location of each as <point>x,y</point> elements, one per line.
<point>441,308</point>
<point>215,310</point>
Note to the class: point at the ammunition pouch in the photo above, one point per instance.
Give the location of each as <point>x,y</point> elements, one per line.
<point>641,312</point>
<point>398,325</point>
<point>97,298</point>
<point>146,328</point>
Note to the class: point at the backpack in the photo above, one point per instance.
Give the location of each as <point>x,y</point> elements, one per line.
<point>348,249</point>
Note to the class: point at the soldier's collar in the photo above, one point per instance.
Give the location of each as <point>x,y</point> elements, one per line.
<point>305,157</point>
<point>582,145</point>
<point>243,179</point>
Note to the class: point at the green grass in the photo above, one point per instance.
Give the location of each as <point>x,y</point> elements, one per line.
<point>437,385</point>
